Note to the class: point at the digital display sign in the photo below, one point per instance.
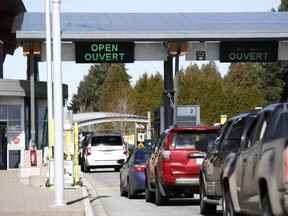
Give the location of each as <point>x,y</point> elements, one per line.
<point>94,52</point>
<point>263,51</point>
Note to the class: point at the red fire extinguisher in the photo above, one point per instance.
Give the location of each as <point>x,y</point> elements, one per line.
<point>33,157</point>
<point>33,154</point>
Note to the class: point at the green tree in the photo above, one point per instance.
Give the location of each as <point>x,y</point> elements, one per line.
<point>274,79</point>
<point>147,94</point>
<point>117,78</point>
<point>89,90</point>
<point>241,88</point>
<point>283,5</point>
<point>203,87</point>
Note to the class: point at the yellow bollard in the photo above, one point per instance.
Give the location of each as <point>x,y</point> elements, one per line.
<point>76,156</point>
<point>68,142</point>
<point>51,138</point>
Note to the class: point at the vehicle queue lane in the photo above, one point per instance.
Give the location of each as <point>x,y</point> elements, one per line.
<point>104,191</point>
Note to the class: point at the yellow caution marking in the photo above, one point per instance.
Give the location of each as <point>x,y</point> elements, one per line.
<point>109,188</point>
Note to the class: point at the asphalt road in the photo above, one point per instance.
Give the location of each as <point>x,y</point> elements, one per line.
<point>106,200</point>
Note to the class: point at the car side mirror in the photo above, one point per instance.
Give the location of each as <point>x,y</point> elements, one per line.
<point>201,145</point>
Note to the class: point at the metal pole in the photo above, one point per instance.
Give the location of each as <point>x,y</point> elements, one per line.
<point>149,126</point>
<point>1,59</point>
<point>176,89</point>
<point>49,71</point>
<point>58,108</point>
<point>32,92</point>
<point>168,95</point>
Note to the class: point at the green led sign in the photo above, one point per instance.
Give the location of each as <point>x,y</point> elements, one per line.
<point>92,52</point>
<point>264,51</point>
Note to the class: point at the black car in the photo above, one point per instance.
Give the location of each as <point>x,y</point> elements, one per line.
<point>227,141</point>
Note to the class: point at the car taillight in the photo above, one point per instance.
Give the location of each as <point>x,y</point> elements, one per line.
<point>88,151</point>
<point>139,168</point>
<point>124,149</point>
<point>285,160</point>
<point>166,155</point>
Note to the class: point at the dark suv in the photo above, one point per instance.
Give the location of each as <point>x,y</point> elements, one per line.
<point>173,168</point>
<point>227,141</point>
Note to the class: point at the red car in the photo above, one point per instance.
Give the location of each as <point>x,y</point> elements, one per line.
<point>173,168</point>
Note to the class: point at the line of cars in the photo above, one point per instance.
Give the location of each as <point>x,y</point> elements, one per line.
<point>242,165</point>
<point>171,169</point>
<point>246,168</point>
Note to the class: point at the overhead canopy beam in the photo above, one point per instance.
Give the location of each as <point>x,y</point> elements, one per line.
<point>9,10</point>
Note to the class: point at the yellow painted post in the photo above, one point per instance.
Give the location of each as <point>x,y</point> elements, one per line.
<point>51,138</point>
<point>68,142</point>
<point>76,156</point>
<point>51,147</point>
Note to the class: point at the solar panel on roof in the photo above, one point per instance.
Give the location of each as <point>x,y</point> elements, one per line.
<point>160,26</point>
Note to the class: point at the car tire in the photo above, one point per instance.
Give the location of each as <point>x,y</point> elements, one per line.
<point>206,208</point>
<point>266,206</point>
<point>122,191</point>
<point>149,196</point>
<point>81,164</point>
<point>86,169</point>
<point>227,205</point>
<point>159,199</point>
<point>129,190</point>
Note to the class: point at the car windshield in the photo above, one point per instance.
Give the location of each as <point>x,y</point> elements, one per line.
<point>106,140</point>
<point>188,139</point>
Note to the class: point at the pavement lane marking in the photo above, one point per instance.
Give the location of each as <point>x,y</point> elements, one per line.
<point>108,188</point>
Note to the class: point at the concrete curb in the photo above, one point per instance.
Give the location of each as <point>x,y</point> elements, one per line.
<point>87,204</point>
<point>97,204</point>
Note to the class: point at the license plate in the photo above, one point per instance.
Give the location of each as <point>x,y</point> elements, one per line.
<point>199,160</point>
<point>107,153</point>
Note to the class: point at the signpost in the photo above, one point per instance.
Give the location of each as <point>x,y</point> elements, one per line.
<point>264,51</point>
<point>95,52</point>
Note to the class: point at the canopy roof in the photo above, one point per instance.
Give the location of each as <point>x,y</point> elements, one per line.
<point>161,26</point>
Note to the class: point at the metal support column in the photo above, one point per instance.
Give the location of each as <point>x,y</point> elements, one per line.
<point>31,60</point>
<point>1,59</point>
<point>168,95</point>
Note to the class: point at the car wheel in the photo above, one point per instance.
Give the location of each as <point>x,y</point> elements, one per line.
<point>129,190</point>
<point>266,206</point>
<point>159,199</point>
<point>206,208</point>
<point>85,167</point>
<point>227,205</point>
<point>149,196</point>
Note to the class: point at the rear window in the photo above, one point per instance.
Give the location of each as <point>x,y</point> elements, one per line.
<point>142,156</point>
<point>188,139</point>
<point>107,140</point>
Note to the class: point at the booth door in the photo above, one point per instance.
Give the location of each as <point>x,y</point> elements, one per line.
<point>3,145</point>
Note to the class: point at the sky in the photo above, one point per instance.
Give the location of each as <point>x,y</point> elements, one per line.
<point>73,74</point>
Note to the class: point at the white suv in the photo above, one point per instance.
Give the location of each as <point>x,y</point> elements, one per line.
<point>102,151</point>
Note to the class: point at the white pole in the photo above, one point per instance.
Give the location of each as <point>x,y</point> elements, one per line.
<point>58,108</point>
<point>49,69</point>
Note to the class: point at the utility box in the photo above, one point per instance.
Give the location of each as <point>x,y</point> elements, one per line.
<point>187,115</point>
